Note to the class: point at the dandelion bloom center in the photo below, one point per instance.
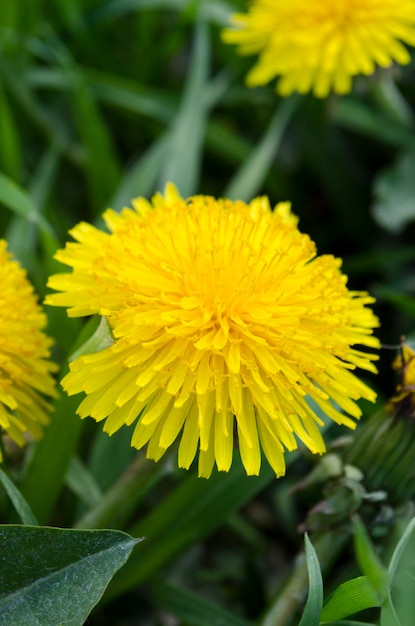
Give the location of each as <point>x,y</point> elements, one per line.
<point>319,45</point>
<point>221,314</point>
<point>25,367</point>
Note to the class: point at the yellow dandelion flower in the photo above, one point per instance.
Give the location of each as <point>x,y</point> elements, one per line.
<point>25,368</point>
<point>320,45</point>
<point>224,322</point>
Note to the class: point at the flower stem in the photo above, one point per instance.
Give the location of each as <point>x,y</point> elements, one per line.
<point>119,501</point>
<point>328,546</point>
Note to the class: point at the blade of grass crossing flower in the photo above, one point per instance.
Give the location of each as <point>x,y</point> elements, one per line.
<point>349,598</point>
<point>314,604</point>
<point>191,609</point>
<point>19,503</point>
<point>184,153</point>
<point>369,561</point>
<point>248,180</point>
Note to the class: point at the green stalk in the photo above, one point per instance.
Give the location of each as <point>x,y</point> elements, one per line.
<point>115,507</point>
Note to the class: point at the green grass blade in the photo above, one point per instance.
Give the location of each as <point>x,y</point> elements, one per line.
<point>248,180</point>
<point>19,503</point>
<point>351,597</point>
<point>187,132</point>
<point>314,604</point>
<point>192,511</point>
<point>45,472</point>
<point>190,608</point>
<point>368,560</point>
<point>82,483</point>
<point>19,202</point>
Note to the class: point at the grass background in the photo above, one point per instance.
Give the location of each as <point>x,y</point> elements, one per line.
<point>102,101</point>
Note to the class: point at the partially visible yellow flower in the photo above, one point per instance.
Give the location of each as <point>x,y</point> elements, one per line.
<point>25,367</point>
<point>320,45</point>
<point>225,323</point>
<point>405,365</point>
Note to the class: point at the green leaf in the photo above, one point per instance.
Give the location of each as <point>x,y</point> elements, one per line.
<point>191,609</point>
<point>356,116</point>
<point>248,180</point>
<point>348,622</point>
<point>81,482</point>
<point>368,560</point>
<point>18,201</point>
<point>394,189</point>
<point>184,152</point>
<point>399,608</point>
<point>56,576</point>
<point>100,340</point>
<point>141,177</point>
<point>314,604</point>
<point>45,472</point>
<point>18,500</point>
<point>190,512</point>
<point>351,597</point>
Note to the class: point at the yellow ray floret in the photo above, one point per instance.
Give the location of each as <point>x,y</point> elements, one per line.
<point>320,45</point>
<point>25,368</point>
<point>224,321</point>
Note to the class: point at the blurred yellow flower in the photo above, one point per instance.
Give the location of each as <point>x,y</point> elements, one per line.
<point>224,322</point>
<point>405,365</point>
<point>25,368</point>
<point>320,45</point>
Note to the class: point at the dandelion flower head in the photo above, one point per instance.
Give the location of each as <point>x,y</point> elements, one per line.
<point>25,367</point>
<point>224,321</point>
<point>320,45</point>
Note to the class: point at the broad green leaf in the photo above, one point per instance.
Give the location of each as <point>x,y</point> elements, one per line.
<point>18,500</point>
<point>314,604</point>
<point>394,189</point>
<point>248,180</point>
<point>351,597</point>
<point>191,609</point>
<point>369,561</point>
<point>187,132</point>
<point>56,576</point>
